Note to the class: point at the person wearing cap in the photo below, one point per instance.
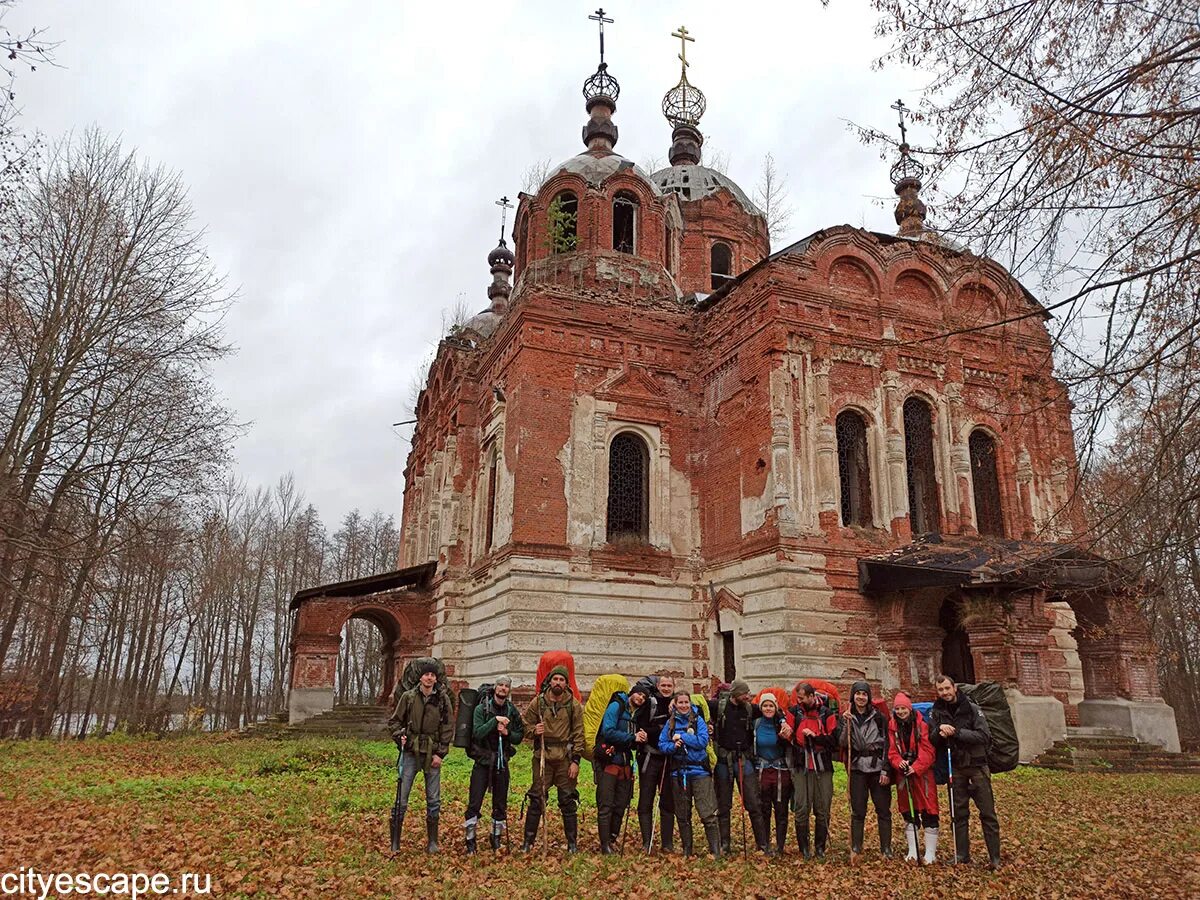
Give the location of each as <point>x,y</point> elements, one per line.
<point>555,719</point>
<point>911,754</point>
<point>868,768</point>
<point>770,760</point>
<point>422,726</point>
<point>495,726</point>
<point>618,739</point>
<point>652,766</point>
<point>734,728</point>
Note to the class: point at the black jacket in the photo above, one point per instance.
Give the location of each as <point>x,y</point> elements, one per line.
<point>968,747</point>
<point>650,717</point>
<point>734,727</point>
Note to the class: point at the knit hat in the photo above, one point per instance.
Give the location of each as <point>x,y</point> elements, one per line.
<point>768,698</point>
<point>559,670</point>
<point>640,688</point>
<point>901,699</point>
<point>504,680</point>
<point>738,688</point>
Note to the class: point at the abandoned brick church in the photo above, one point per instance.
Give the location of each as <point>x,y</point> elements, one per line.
<point>665,447</point>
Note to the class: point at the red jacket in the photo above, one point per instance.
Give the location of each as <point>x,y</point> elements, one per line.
<point>815,754</point>
<point>918,752</point>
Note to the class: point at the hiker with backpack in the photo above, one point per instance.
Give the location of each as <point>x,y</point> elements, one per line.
<point>652,764</point>
<point>616,743</point>
<point>911,755</point>
<point>957,726</point>
<point>496,729</point>
<point>684,742</point>
<point>422,727</point>
<point>555,718</point>
<point>815,736</point>
<point>734,727</point>
<point>771,734</point>
<point>868,769</point>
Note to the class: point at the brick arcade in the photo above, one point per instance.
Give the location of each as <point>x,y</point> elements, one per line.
<point>663,447</point>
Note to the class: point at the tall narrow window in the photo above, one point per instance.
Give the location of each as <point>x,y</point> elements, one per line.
<point>628,489</point>
<point>854,469</point>
<point>669,247</point>
<point>924,510</point>
<point>721,264</point>
<point>490,527</point>
<point>562,223</point>
<point>625,209</point>
<point>988,516</point>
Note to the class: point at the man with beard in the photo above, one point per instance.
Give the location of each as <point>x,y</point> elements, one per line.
<point>556,720</point>
<point>814,738</point>
<point>496,730</point>
<point>652,765</point>
<point>422,727</point>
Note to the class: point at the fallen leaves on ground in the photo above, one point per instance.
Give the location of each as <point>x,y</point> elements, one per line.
<point>300,819</point>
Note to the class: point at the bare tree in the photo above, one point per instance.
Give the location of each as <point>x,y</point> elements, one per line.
<point>535,174</point>
<point>771,196</point>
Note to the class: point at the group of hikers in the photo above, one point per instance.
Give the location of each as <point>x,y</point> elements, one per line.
<point>776,752</point>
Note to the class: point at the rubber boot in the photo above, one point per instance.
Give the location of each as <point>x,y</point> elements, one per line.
<point>931,842</point>
<point>723,830</point>
<point>397,825</point>
<point>497,833</point>
<point>822,836</point>
<point>885,841</point>
<point>646,825</point>
<point>802,839</point>
<point>759,826</point>
<point>856,836</point>
<point>993,848</point>
<point>471,837</point>
<point>962,846</point>
<point>668,831</point>
<point>685,836</point>
<point>533,819</point>
<point>605,835</point>
<point>714,840</point>
<point>910,835</point>
<point>571,829</point>
<point>781,828</point>
<point>431,828</point>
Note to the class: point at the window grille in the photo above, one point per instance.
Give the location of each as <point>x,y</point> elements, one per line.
<point>988,515</point>
<point>491,502</point>
<point>925,512</point>
<point>628,489</point>
<point>854,469</point>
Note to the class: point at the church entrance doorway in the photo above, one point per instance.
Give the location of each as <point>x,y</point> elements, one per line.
<point>957,661</point>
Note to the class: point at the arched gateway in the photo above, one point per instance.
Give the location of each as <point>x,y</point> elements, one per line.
<point>399,604</point>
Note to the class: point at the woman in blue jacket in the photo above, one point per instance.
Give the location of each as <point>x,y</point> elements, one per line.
<point>684,741</point>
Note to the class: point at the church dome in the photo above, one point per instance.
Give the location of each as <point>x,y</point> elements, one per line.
<point>501,255</point>
<point>695,182</point>
<point>597,166</point>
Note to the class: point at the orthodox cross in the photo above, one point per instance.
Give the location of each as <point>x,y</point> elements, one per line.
<point>599,17</point>
<point>901,109</point>
<point>684,40</point>
<point>505,205</point>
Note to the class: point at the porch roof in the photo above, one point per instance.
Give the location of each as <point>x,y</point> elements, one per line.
<point>414,576</point>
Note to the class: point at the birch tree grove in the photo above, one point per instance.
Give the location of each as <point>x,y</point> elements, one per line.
<point>136,581</point>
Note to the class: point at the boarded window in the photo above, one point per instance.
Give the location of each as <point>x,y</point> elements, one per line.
<point>854,469</point>
<point>628,489</point>
<point>491,503</point>
<point>925,512</point>
<point>721,264</point>
<point>625,209</point>
<point>988,516</point>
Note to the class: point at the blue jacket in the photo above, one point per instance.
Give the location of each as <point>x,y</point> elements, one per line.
<point>692,758</point>
<point>768,745</point>
<point>617,728</point>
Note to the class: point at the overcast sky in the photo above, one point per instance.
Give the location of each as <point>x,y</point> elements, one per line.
<point>344,159</point>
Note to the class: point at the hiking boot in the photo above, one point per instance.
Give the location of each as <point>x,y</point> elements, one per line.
<point>497,832</point>
<point>471,838</point>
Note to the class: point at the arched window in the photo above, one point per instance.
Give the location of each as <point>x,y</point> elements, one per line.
<point>721,264</point>
<point>490,527</point>
<point>625,210</point>
<point>854,468</point>
<point>924,510</point>
<point>628,489</point>
<point>988,516</point>
<point>562,222</point>
<point>669,247</point>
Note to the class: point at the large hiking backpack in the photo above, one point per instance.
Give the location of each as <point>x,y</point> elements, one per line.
<point>549,660</point>
<point>464,722</point>
<point>411,677</point>
<point>1004,751</point>
<point>603,690</point>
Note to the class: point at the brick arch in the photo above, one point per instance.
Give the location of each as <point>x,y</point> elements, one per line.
<point>399,604</point>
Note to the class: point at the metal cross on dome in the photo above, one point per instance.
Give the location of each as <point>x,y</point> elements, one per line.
<point>684,40</point>
<point>505,205</point>
<point>901,109</point>
<point>599,17</point>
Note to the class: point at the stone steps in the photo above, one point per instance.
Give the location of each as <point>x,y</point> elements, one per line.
<point>362,721</point>
<point>1103,750</point>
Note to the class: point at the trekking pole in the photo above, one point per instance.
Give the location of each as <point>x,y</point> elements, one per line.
<point>635,772</point>
<point>849,775</point>
<point>654,807</point>
<point>395,821</point>
<point>741,783</point>
<point>950,788</point>
<point>545,802</point>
